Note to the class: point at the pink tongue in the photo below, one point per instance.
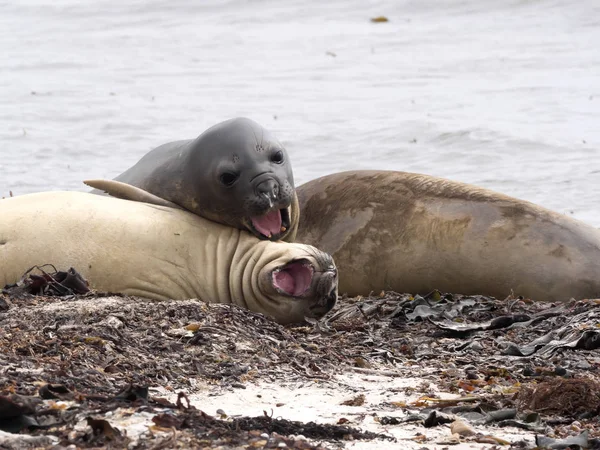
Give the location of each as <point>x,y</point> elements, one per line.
<point>268,224</point>
<point>294,279</point>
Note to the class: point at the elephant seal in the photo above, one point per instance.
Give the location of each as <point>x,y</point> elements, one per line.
<point>163,253</point>
<point>235,173</point>
<point>414,233</point>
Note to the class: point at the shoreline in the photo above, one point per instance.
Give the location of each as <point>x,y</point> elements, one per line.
<point>186,373</point>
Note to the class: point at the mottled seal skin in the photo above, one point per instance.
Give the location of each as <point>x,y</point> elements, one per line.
<point>163,253</point>
<point>414,233</point>
<point>235,173</point>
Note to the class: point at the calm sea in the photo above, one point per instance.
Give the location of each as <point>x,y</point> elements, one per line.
<point>502,94</point>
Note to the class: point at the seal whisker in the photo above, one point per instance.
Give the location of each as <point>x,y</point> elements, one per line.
<point>324,259</point>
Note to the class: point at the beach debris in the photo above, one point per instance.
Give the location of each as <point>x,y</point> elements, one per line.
<point>17,412</point>
<point>55,283</point>
<point>436,418</point>
<point>489,439</point>
<point>379,19</point>
<point>134,394</point>
<point>359,400</point>
<point>571,443</point>
<point>101,427</point>
<point>570,336</point>
<point>199,420</point>
<point>167,420</point>
<point>10,441</point>
<point>101,357</point>
<point>497,323</point>
<point>5,303</point>
<point>500,415</point>
<point>461,428</point>
<point>55,391</point>
<point>310,430</point>
<point>578,397</point>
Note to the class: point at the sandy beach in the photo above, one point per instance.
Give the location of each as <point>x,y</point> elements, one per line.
<point>390,371</point>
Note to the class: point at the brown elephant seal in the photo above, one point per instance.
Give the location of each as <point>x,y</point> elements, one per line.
<point>163,253</point>
<point>235,173</point>
<point>414,233</point>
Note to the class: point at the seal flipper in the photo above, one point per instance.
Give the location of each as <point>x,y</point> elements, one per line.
<point>128,192</point>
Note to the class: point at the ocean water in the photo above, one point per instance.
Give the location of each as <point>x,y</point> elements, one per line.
<point>502,94</point>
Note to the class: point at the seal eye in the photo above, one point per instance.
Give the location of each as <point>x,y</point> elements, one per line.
<point>228,178</point>
<point>277,157</point>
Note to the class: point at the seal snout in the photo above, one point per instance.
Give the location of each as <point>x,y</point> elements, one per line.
<point>331,299</point>
<point>268,206</point>
<point>326,292</point>
<point>268,189</point>
<point>275,220</point>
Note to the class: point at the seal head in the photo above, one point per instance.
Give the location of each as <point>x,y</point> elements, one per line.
<point>302,287</point>
<point>250,178</point>
<point>235,173</point>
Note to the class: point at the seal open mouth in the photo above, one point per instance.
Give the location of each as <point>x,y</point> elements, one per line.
<point>293,279</point>
<point>272,224</point>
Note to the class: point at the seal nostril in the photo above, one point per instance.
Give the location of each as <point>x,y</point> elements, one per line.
<point>268,189</point>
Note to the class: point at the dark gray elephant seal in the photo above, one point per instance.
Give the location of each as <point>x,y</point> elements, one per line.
<point>414,233</point>
<point>235,173</point>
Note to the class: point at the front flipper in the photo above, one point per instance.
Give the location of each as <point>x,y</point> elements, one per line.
<point>128,192</point>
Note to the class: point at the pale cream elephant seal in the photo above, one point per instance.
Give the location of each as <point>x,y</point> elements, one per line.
<point>414,233</point>
<point>163,253</point>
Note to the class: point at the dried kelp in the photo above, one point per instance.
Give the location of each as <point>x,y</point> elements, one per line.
<point>101,354</point>
<point>55,283</point>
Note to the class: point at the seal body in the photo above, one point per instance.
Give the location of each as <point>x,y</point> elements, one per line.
<point>235,173</point>
<point>162,253</point>
<point>414,233</point>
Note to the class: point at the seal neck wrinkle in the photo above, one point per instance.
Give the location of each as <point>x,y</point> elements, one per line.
<point>246,264</point>
<point>214,255</point>
<point>189,257</point>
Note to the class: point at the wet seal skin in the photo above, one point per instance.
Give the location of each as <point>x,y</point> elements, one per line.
<point>163,253</point>
<point>414,233</point>
<point>235,173</point>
